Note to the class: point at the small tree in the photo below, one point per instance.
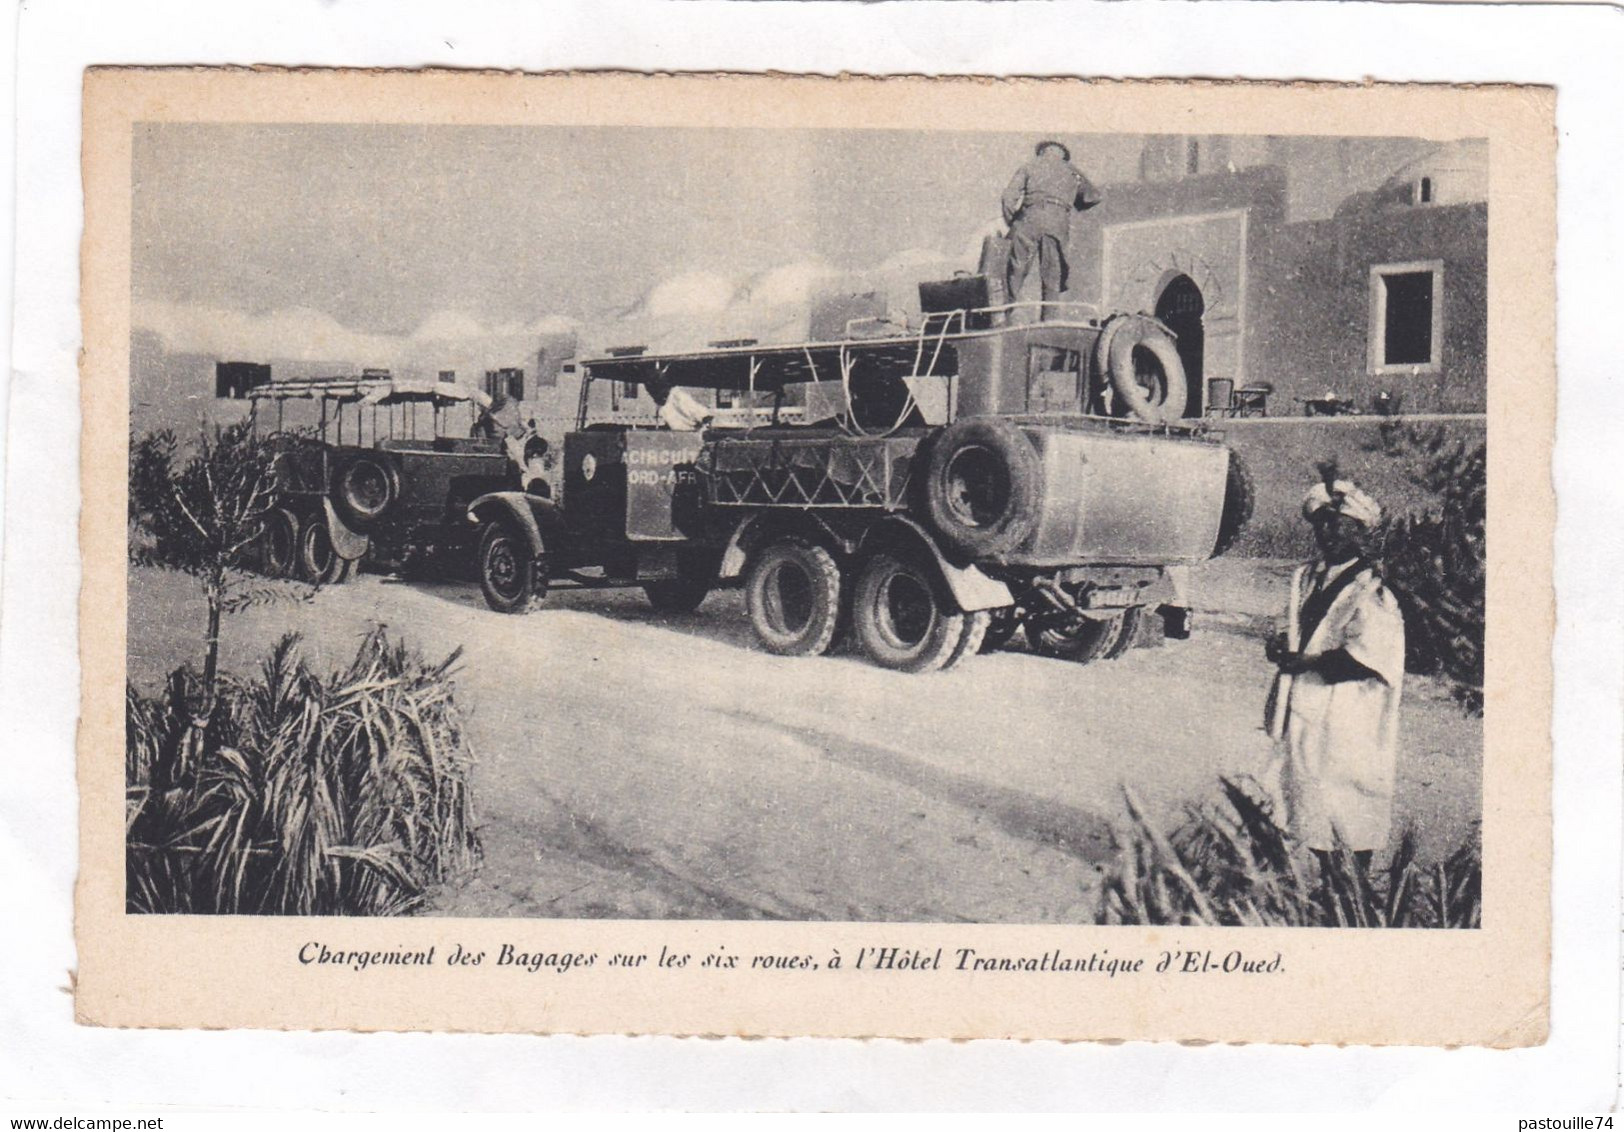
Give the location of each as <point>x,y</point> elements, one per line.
<point>203,516</point>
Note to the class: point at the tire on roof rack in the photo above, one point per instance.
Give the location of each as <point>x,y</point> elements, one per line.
<point>983,486</point>
<point>1140,357</point>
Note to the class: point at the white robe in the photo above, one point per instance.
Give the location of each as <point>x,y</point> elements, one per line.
<point>1338,743</point>
<point>683,412</point>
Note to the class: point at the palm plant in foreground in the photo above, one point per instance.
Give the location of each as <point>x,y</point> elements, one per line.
<point>300,793</point>
<point>1232,864</point>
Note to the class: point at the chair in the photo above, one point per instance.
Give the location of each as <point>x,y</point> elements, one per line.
<point>1224,400</point>
<point>1252,400</point>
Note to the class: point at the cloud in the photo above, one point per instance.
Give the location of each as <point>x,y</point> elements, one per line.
<point>685,311</point>
<point>296,333</point>
<point>449,326</point>
<point>690,294</point>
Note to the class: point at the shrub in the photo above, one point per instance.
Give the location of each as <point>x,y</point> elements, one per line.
<point>296,793</point>
<point>1436,561</point>
<point>1231,864</point>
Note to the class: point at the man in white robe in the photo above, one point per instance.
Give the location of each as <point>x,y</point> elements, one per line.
<point>1334,706</point>
<point>677,409</point>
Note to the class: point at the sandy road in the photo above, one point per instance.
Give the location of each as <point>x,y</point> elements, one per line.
<point>642,765</point>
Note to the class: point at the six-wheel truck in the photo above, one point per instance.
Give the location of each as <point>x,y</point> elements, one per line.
<point>928,490</point>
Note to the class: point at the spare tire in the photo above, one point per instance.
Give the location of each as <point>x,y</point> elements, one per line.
<point>983,486</point>
<point>365,487</point>
<point>1238,501</point>
<point>1140,357</point>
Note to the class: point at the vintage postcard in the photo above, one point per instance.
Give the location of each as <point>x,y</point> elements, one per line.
<point>864,556</point>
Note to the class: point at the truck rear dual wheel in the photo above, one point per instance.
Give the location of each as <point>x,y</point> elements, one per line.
<point>511,577</point>
<point>279,544</point>
<point>1084,639</point>
<point>1002,624</point>
<point>903,621</point>
<point>792,593</point>
<point>319,561</point>
<point>1091,638</point>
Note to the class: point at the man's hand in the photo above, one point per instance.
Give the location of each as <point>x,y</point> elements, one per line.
<point>1276,648</point>
<point>1280,654</point>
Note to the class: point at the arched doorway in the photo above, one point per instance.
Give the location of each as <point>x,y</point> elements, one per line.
<point>1181,306</point>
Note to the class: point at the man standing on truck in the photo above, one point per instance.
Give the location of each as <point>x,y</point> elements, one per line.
<point>1037,205</point>
<point>1333,709</point>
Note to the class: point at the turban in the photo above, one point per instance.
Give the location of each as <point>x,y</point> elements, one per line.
<point>1345,498</point>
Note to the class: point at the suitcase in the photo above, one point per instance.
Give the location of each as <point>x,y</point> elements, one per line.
<point>995,253</point>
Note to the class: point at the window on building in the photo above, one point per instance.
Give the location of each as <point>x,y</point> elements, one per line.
<point>1192,158</point>
<point>507,382</point>
<point>1405,317</point>
<point>1424,192</point>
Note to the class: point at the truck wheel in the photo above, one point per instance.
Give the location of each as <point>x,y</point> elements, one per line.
<point>366,486</point>
<point>1132,619</point>
<point>279,543</point>
<point>1238,498</point>
<point>900,618</point>
<point>983,486</point>
<point>319,563</point>
<point>1142,360</point>
<point>975,631</point>
<point>1083,640</point>
<point>512,578</point>
<point>1001,626</point>
<point>793,595</point>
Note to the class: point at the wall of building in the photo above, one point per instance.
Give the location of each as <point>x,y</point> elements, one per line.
<point>1282,457</point>
<point>1311,307</point>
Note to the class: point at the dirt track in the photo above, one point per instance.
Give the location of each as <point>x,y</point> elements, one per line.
<point>640,765</point>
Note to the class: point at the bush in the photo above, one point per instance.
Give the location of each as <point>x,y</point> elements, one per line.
<point>1436,562</point>
<point>298,794</point>
<point>1231,864</point>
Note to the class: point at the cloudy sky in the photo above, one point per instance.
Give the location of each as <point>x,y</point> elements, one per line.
<point>401,245</point>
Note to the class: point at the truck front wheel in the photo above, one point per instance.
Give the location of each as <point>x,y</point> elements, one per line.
<point>793,595</point>
<point>901,618</point>
<point>511,577</point>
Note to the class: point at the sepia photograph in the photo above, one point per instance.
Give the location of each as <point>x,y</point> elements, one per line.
<point>807,524</point>
<point>593,523</point>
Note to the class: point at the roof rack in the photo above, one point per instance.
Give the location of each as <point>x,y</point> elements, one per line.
<point>368,391</point>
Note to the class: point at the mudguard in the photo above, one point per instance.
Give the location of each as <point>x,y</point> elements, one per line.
<point>532,514</point>
<point>737,552</point>
<point>971,588</point>
<point>347,544</point>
